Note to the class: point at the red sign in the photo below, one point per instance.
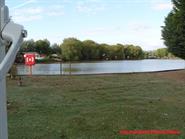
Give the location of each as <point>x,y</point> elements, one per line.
<point>29,59</point>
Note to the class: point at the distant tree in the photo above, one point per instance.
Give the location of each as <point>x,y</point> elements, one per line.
<point>103,51</point>
<point>150,54</point>
<point>43,47</point>
<point>173,32</point>
<point>146,54</point>
<point>71,49</point>
<point>171,56</point>
<point>139,54</point>
<point>90,50</point>
<point>128,51</point>
<point>116,52</point>
<point>28,46</point>
<point>161,53</point>
<point>56,49</point>
<point>121,51</point>
<point>133,52</point>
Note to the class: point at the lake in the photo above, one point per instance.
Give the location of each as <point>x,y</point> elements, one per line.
<point>125,66</point>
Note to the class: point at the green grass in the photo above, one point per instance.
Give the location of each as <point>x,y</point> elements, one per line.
<point>95,107</point>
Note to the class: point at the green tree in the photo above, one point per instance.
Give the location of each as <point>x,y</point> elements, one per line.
<point>161,53</point>
<point>28,46</point>
<point>174,29</point>
<point>56,49</point>
<point>139,52</point>
<point>121,51</point>
<point>43,47</point>
<point>90,50</point>
<point>71,49</point>
<point>103,51</point>
<point>116,52</point>
<point>133,52</point>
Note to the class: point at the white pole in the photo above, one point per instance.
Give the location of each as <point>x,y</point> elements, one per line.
<point>2,3</point>
<point>3,101</point>
<point>14,34</point>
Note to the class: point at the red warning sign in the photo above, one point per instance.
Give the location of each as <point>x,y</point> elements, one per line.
<point>29,59</point>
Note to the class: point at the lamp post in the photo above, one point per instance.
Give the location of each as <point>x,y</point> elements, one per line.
<point>13,34</point>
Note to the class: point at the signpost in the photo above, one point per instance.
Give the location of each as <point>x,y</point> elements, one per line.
<point>29,61</point>
<point>13,34</point>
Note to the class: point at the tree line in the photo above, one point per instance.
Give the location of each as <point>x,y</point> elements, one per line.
<point>73,49</point>
<point>161,53</point>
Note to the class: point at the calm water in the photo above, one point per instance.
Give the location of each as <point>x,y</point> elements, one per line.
<point>103,67</point>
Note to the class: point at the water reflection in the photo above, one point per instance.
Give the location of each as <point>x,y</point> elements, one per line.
<point>103,67</point>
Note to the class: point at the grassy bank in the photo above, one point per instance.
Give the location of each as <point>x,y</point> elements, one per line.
<point>96,107</point>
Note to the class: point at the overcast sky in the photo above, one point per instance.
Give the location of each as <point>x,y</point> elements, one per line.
<point>135,22</point>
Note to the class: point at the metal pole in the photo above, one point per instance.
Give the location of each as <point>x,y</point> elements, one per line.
<point>2,14</point>
<point>2,3</point>
<point>3,99</point>
<point>14,34</point>
<point>61,67</point>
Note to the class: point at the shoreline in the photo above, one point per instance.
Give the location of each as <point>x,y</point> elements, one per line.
<point>101,74</point>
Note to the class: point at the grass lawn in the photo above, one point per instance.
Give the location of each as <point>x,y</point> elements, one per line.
<point>96,106</point>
